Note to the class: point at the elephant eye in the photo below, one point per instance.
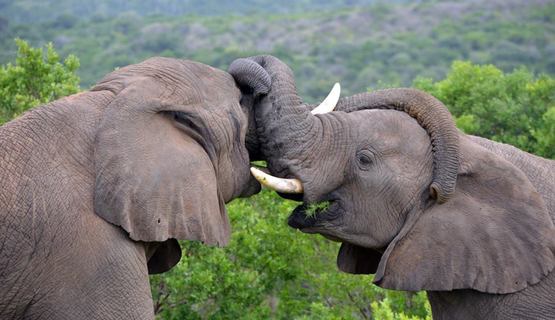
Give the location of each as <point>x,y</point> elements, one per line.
<point>365,159</point>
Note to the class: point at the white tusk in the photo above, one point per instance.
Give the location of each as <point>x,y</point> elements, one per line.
<point>331,100</point>
<point>277,184</point>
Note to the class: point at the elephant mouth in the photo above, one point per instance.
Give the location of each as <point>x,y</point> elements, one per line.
<point>308,216</point>
<point>311,216</point>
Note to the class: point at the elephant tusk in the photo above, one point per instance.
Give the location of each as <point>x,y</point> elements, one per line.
<point>278,184</point>
<point>331,100</point>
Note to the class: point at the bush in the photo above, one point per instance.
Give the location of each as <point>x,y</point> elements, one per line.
<point>515,108</point>
<point>36,78</point>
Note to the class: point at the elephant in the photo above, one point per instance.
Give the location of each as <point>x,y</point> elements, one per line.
<point>96,188</point>
<point>412,199</point>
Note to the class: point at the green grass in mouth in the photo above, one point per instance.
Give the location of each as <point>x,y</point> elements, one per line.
<point>313,208</point>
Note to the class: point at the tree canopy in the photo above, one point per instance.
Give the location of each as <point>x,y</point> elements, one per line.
<point>517,108</point>
<point>37,77</point>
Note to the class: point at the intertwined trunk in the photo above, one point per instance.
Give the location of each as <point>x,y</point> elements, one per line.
<point>290,136</point>
<point>284,124</point>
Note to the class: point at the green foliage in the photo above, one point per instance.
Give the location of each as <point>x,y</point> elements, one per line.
<point>270,271</point>
<point>383,310</point>
<point>515,108</point>
<point>314,208</point>
<point>23,10</point>
<point>36,78</point>
<point>545,134</point>
<point>374,44</point>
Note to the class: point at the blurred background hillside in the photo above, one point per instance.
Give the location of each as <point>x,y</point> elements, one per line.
<point>491,62</point>
<point>361,43</point>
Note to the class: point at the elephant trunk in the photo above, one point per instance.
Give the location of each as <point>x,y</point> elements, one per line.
<point>254,81</point>
<point>283,121</point>
<point>433,116</point>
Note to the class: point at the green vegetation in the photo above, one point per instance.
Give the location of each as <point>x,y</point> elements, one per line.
<point>314,208</point>
<point>503,90</point>
<point>61,10</point>
<point>37,77</point>
<point>383,310</point>
<point>373,45</point>
<point>516,108</point>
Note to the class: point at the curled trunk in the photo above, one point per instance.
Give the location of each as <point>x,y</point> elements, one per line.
<point>282,120</point>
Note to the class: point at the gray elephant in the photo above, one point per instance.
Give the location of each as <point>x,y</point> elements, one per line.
<point>97,187</point>
<point>412,199</point>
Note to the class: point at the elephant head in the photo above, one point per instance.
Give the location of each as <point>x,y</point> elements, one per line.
<point>410,197</point>
<point>170,151</point>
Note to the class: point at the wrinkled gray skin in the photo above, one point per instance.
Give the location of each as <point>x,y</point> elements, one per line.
<point>156,148</point>
<point>413,200</point>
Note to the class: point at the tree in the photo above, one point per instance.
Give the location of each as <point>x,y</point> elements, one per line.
<point>37,77</point>
<point>516,108</point>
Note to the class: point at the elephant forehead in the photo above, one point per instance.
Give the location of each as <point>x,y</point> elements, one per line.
<point>174,81</point>
<point>389,129</point>
<point>196,83</point>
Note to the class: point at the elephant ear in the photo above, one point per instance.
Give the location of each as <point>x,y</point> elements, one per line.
<point>495,235</point>
<point>155,176</point>
<point>167,255</point>
<point>357,260</point>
